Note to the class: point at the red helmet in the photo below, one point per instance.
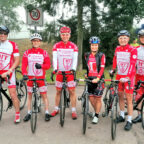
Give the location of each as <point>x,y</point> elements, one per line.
<point>65,30</point>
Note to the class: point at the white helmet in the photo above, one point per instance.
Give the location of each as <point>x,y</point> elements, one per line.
<point>36,36</point>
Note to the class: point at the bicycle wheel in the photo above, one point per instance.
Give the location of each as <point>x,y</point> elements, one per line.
<point>34,109</point>
<point>85,112</point>
<point>21,92</point>
<point>39,103</point>
<point>62,107</point>
<point>113,118</point>
<point>1,106</point>
<point>106,102</point>
<point>142,114</point>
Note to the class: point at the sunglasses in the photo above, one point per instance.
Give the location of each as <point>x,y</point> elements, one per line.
<point>5,33</point>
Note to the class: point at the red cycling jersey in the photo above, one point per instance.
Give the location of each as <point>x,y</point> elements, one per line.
<point>125,61</point>
<point>8,50</point>
<point>33,56</point>
<point>92,66</point>
<point>65,56</point>
<point>140,70</point>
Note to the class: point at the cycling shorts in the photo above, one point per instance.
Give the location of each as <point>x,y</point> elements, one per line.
<point>69,78</point>
<point>40,83</point>
<point>95,90</point>
<point>125,86</point>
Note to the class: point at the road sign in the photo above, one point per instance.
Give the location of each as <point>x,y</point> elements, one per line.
<point>35,17</point>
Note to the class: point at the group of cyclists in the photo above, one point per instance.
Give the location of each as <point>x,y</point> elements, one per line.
<point>128,61</point>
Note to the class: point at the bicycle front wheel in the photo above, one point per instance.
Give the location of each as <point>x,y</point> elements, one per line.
<point>1,106</point>
<point>34,109</point>
<point>114,115</point>
<point>21,92</point>
<point>142,114</point>
<point>62,107</point>
<point>85,112</point>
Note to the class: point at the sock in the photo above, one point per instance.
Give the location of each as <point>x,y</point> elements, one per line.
<point>97,115</point>
<point>129,118</point>
<point>29,112</point>
<point>122,113</point>
<point>56,108</point>
<point>73,109</point>
<point>46,112</point>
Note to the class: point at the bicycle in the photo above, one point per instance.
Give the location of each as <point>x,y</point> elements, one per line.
<point>111,102</point>
<point>141,99</point>
<point>21,88</point>
<point>64,99</point>
<point>85,101</point>
<point>35,104</point>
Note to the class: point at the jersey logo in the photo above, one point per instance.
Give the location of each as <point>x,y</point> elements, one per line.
<point>123,66</point>
<point>67,63</point>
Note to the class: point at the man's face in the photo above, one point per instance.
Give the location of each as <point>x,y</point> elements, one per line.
<point>3,36</point>
<point>123,40</point>
<point>94,47</point>
<point>65,37</point>
<point>36,43</point>
<point>141,38</point>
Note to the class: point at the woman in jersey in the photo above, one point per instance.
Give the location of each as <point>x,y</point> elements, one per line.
<point>95,62</point>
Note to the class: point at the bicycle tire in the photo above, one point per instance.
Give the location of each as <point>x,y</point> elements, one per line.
<point>142,114</point>
<point>1,106</point>
<point>21,89</point>
<point>106,102</point>
<point>85,112</point>
<point>39,103</point>
<point>62,107</point>
<point>34,110</point>
<point>21,93</point>
<point>114,115</point>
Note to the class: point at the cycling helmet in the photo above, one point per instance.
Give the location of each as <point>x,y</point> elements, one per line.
<point>123,32</point>
<point>4,28</point>
<point>65,30</point>
<point>36,36</point>
<point>94,40</point>
<point>141,33</point>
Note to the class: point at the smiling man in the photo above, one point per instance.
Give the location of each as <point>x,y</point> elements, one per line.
<point>65,57</point>
<point>125,61</point>
<point>9,60</point>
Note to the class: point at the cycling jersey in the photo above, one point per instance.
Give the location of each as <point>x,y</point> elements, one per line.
<point>140,60</point>
<point>8,50</point>
<point>33,56</point>
<point>65,56</point>
<point>30,58</point>
<point>125,61</point>
<point>92,66</point>
<point>140,70</point>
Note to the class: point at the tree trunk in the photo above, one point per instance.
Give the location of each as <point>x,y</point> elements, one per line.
<point>80,32</point>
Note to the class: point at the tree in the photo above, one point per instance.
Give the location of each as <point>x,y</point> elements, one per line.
<point>7,14</point>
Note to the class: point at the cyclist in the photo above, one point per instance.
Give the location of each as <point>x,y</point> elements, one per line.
<point>37,61</point>
<point>95,62</point>
<point>9,60</point>
<point>65,57</point>
<point>125,61</point>
<point>140,72</point>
